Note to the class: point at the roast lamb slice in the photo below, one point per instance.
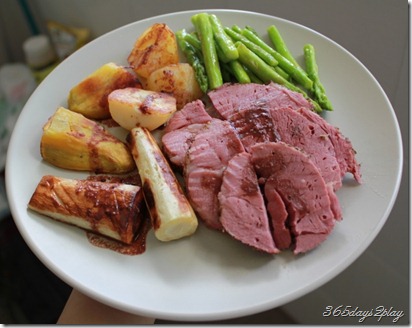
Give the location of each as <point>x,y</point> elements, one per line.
<point>231,98</point>
<point>253,125</point>
<point>302,188</point>
<point>243,212</point>
<point>191,113</point>
<point>206,160</point>
<point>176,143</point>
<point>278,214</point>
<point>345,153</point>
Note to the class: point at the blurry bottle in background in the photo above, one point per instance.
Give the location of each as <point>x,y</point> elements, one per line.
<point>16,85</point>
<point>67,39</point>
<point>40,56</point>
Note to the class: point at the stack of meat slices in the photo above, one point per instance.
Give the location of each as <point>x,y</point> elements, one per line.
<point>260,165</point>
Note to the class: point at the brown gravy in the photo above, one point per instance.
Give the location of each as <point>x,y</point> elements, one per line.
<point>138,246</point>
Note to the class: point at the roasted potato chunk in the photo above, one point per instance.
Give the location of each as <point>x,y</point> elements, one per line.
<point>132,107</point>
<point>72,141</point>
<point>155,48</point>
<point>89,97</point>
<point>178,80</point>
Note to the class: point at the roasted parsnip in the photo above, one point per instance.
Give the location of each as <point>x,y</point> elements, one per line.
<point>171,213</point>
<point>111,209</point>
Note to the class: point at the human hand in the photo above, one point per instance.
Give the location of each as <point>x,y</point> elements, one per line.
<point>81,309</point>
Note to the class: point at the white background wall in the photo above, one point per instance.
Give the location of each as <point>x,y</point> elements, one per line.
<point>375,31</point>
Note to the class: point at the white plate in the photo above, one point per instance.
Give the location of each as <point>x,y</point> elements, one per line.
<point>210,276</point>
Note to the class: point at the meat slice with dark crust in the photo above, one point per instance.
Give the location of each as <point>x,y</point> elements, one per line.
<point>253,125</point>
<point>206,160</point>
<point>243,212</point>
<point>302,188</point>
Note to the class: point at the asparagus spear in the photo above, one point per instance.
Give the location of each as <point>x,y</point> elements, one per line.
<point>204,29</point>
<point>225,43</point>
<point>239,72</point>
<point>226,69</point>
<point>194,41</point>
<point>280,44</point>
<point>226,72</point>
<point>297,73</point>
<point>193,59</point>
<point>267,57</point>
<point>282,73</point>
<point>252,76</point>
<point>260,68</point>
<point>312,69</point>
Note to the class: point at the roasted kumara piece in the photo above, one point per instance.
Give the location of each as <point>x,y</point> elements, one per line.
<point>110,209</point>
<point>156,47</point>
<point>170,211</point>
<point>89,97</point>
<point>72,141</point>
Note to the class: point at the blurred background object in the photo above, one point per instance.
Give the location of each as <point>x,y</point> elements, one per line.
<point>40,55</point>
<point>374,31</point>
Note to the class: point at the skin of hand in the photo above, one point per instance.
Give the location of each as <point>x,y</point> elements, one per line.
<point>81,309</point>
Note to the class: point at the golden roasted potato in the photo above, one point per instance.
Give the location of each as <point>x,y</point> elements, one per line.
<point>155,48</point>
<point>72,141</point>
<point>178,80</point>
<point>89,97</point>
<point>132,107</point>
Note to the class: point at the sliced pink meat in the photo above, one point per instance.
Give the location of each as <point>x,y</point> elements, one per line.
<point>176,143</point>
<point>302,188</point>
<point>266,133</point>
<point>253,125</point>
<point>206,160</point>
<point>278,216</point>
<point>231,98</point>
<point>296,130</point>
<point>345,154</point>
<point>191,113</point>
<point>243,212</point>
